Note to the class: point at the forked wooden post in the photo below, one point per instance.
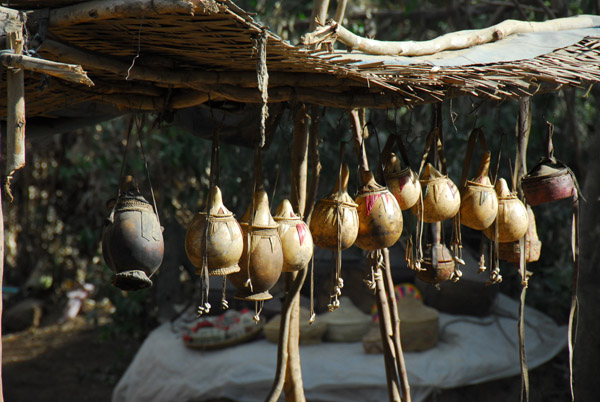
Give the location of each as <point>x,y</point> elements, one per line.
<point>386,326</point>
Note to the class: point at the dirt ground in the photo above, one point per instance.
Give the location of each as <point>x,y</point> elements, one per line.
<point>76,362</point>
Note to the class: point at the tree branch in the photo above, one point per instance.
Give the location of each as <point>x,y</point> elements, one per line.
<point>458,40</point>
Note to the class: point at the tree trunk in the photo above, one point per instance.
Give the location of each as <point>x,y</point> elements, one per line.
<point>587,352</point>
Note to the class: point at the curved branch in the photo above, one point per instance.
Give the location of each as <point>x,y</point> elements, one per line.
<point>460,39</point>
<point>282,352</point>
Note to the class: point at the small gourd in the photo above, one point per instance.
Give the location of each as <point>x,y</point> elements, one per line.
<point>479,203</point>
<point>440,197</point>
<point>296,240</point>
<point>403,183</point>
<point>513,221</point>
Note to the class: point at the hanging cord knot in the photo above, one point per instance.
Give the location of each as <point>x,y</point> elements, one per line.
<point>482,266</point>
<point>203,309</point>
<point>262,76</point>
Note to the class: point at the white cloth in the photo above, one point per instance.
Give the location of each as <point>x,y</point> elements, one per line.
<point>470,350</point>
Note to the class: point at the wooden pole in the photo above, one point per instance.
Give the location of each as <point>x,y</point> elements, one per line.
<point>68,72</point>
<point>15,113</point>
<point>293,388</point>
<point>1,277</point>
<point>383,308</point>
<point>391,294</point>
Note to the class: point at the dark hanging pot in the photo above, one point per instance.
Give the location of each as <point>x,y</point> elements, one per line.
<point>438,265</point>
<point>132,242</point>
<point>224,240</point>
<point>262,258</point>
<point>550,179</point>
<point>379,215</point>
<point>296,240</point>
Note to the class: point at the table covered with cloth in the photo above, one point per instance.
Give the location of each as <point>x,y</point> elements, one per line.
<point>470,350</point>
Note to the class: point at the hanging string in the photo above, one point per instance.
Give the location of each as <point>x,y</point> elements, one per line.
<point>205,306</point>
<point>313,316</point>
<point>139,132</point>
<point>572,331</point>
<point>224,302</point>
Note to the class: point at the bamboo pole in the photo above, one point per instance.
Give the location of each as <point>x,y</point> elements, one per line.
<point>15,115</point>
<point>67,72</point>
<point>457,40</point>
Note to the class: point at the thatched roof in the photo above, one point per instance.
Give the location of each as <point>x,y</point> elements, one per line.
<point>171,54</point>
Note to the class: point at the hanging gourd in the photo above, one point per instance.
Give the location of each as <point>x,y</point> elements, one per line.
<point>403,183</point>
<point>132,242</point>
<point>335,217</point>
<point>438,265</point>
<point>533,246</point>
<point>440,197</point>
<point>550,179</point>
<point>224,240</point>
<point>262,257</point>
<point>296,240</point>
<point>379,215</point>
<point>479,203</point>
<point>512,218</point>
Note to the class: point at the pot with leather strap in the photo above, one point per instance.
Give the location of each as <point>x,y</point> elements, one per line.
<point>403,183</point>
<point>224,240</point>
<point>335,217</point>
<point>479,203</point>
<point>512,217</point>
<point>132,241</point>
<point>440,199</point>
<point>379,215</point>
<point>262,257</point>
<point>296,240</point>
<point>550,179</point>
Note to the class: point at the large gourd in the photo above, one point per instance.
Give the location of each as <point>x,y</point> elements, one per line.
<point>224,241</point>
<point>379,215</point>
<point>262,257</point>
<point>440,197</point>
<point>479,203</point>
<point>513,221</point>
<point>335,214</point>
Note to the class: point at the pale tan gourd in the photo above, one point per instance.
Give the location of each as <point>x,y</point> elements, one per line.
<point>403,183</point>
<point>512,215</point>
<point>296,240</point>
<point>533,246</point>
<point>441,199</point>
<point>324,221</point>
<point>478,200</point>
<point>224,242</point>
<point>262,257</point>
<point>379,215</point>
